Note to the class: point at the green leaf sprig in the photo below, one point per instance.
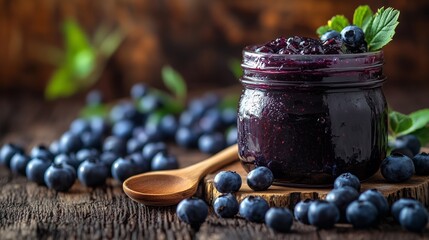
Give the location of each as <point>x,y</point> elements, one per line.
<point>379,28</point>
<point>415,123</point>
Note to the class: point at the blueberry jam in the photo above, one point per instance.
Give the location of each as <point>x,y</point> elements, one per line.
<point>311,113</point>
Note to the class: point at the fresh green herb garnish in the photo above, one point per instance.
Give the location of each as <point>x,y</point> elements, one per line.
<point>379,28</point>
<point>416,123</point>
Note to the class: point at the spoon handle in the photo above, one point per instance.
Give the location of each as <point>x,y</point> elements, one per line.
<point>213,163</point>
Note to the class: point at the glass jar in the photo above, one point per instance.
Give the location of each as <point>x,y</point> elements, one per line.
<point>310,118</point>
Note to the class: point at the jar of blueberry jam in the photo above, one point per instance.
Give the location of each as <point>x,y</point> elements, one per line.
<point>311,117</point>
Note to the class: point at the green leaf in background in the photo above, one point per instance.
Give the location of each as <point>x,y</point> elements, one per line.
<point>420,119</point>
<point>235,67</point>
<point>60,84</point>
<point>362,16</point>
<point>338,22</point>
<point>230,101</point>
<point>89,111</point>
<point>423,135</point>
<point>174,82</point>
<point>322,30</point>
<point>399,122</point>
<point>381,29</point>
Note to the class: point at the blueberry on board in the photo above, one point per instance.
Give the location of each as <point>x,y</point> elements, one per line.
<point>135,145</point>
<point>187,119</point>
<point>192,211</point>
<point>260,178</point>
<point>84,154</point>
<point>323,214</point>
<point>94,98</point>
<point>211,142</point>
<point>92,172</point>
<point>124,111</point>
<point>330,34</point>
<point>108,158</point>
<point>397,168</point>
<point>347,179</point>
<point>362,214</point>
<point>187,137</point>
<point>413,218</point>
<point>153,132</point>
<point>69,159</point>
<point>99,126</point>
<point>54,147</point>
<point>227,182</point>
<point>91,140</point>
<point>210,100</point>
<point>149,103</point>
<point>301,210</point>
<point>115,144</point>
<point>70,143</point>
<point>229,116</point>
<point>41,151</point>
<point>197,107</point>
<point>123,129</point>
<point>7,151</point>
<point>408,141</point>
<point>376,198</point>
<point>79,126</point>
<point>36,168</point>
<point>138,91</point>
<point>211,121</point>
<point>254,208</point>
<point>353,37</point>
<point>60,177</point>
<point>231,136</point>
<point>164,161</point>
<point>342,197</point>
<point>226,206</point>
<point>151,149</point>
<point>168,126</point>
<point>421,163</point>
<point>122,169</point>
<point>141,165</point>
<point>279,219</point>
<point>18,163</point>
<point>404,151</point>
<point>401,204</point>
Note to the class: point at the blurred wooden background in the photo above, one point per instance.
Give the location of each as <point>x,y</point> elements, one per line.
<point>196,37</point>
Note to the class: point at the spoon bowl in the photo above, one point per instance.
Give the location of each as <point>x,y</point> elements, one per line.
<point>166,188</point>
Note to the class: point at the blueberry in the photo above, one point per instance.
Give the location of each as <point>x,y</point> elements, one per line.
<point>91,140</point>
<point>342,197</point>
<point>41,151</point>
<point>421,163</point>
<point>138,91</point>
<point>79,126</point>
<point>99,126</point>
<point>163,161</point>
<point>60,177</point>
<point>413,218</point>
<point>70,143</point>
<point>279,219</point>
<point>18,163</point>
<point>197,108</point>
<point>192,211</point>
<point>227,182</point>
<point>149,103</point>
<point>123,169</point>
<point>362,214</point>
<point>7,151</point>
<point>401,204</point>
<point>151,149</point>
<point>254,208</point>
<point>54,148</point>
<point>229,116</point>
<point>135,145</point>
<point>187,119</point>
<point>211,142</point>
<point>36,168</point>
<point>226,206</point>
<point>353,37</point>
<point>168,126</point>
<point>408,141</point>
<point>94,98</point>
<point>153,132</point>
<point>124,111</point>
<point>330,35</point>
<point>347,179</point>
<point>301,210</point>
<point>397,168</point>
<point>211,121</point>
<point>376,198</point>
<point>323,214</point>
<point>404,151</point>
<point>92,172</point>
<point>123,129</point>
<point>70,160</point>
<point>85,154</point>
<point>115,144</point>
<point>260,178</point>
<point>187,137</point>
<point>231,136</point>
<point>108,158</point>
<point>210,100</point>
<point>141,165</point>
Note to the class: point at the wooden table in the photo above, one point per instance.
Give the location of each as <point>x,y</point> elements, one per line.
<point>31,211</point>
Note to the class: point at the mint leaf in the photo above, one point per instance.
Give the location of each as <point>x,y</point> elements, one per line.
<point>420,120</point>
<point>338,22</point>
<point>399,122</point>
<point>381,29</point>
<point>423,135</point>
<point>362,16</point>
<point>322,30</point>
<point>60,84</point>
<point>174,82</point>
<point>89,111</point>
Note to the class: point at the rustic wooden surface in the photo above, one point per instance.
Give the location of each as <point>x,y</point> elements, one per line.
<point>30,211</point>
<point>280,196</point>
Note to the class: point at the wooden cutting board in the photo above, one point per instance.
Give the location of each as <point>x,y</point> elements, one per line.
<point>417,187</point>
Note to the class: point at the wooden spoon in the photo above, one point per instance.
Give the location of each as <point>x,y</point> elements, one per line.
<point>165,188</point>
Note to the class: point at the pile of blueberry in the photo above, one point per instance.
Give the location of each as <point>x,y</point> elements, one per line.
<point>344,204</point>
<point>130,141</point>
<point>350,40</point>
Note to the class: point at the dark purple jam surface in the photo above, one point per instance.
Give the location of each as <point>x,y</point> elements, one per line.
<point>309,120</point>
